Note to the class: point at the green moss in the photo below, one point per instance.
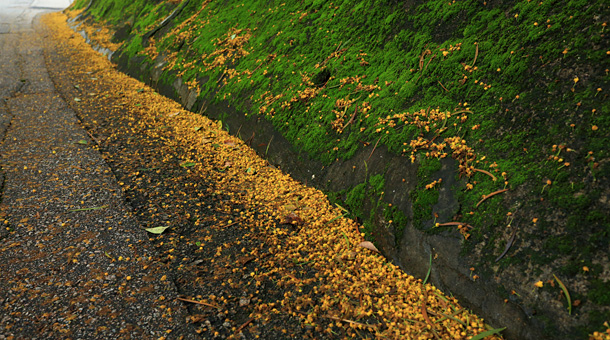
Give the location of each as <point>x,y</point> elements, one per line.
<point>355,199</point>
<point>599,293</point>
<point>424,199</point>
<point>397,220</point>
<point>377,184</point>
<point>572,268</point>
<point>408,87</point>
<point>561,244</point>
<point>597,320</point>
<point>134,46</point>
<point>595,216</point>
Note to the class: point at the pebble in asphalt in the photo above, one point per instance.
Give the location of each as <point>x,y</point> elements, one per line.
<point>74,263</point>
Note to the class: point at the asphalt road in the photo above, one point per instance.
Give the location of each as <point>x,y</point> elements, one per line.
<point>17,15</point>
<point>74,262</point>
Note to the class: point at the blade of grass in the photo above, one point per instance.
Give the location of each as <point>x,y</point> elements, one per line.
<point>429,270</point>
<point>346,239</point>
<point>342,208</point>
<point>485,334</point>
<point>452,317</point>
<point>336,218</point>
<point>566,293</point>
<point>268,144</point>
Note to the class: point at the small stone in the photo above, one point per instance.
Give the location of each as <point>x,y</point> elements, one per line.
<point>244,301</point>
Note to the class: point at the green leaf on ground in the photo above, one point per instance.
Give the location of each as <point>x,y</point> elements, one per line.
<point>485,334</point>
<point>81,142</point>
<point>156,230</point>
<point>187,164</point>
<point>76,99</point>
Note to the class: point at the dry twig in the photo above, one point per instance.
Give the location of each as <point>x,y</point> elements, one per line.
<point>492,194</point>
<point>199,303</point>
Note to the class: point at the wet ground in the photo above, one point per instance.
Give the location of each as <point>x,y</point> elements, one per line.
<point>74,262</point>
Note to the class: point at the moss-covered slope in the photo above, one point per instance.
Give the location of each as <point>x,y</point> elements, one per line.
<point>515,91</point>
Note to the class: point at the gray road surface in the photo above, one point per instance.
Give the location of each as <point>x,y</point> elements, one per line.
<point>64,221</point>
<point>17,15</point>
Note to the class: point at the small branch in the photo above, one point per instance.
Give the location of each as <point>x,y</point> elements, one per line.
<point>374,147</point>
<point>343,320</point>
<point>490,195</point>
<point>455,223</point>
<point>424,313</point>
<point>442,86</point>
<point>430,60</point>
<point>351,120</point>
<point>508,245</point>
<point>421,58</point>
<point>97,141</point>
<point>244,325</point>
<point>199,303</point>
<point>476,54</point>
<point>232,224</point>
<point>487,173</point>
<point>348,321</point>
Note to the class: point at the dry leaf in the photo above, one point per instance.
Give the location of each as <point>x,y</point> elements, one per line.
<point>368,245</point>
<point>245,259</point>
<point>293,219</point>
